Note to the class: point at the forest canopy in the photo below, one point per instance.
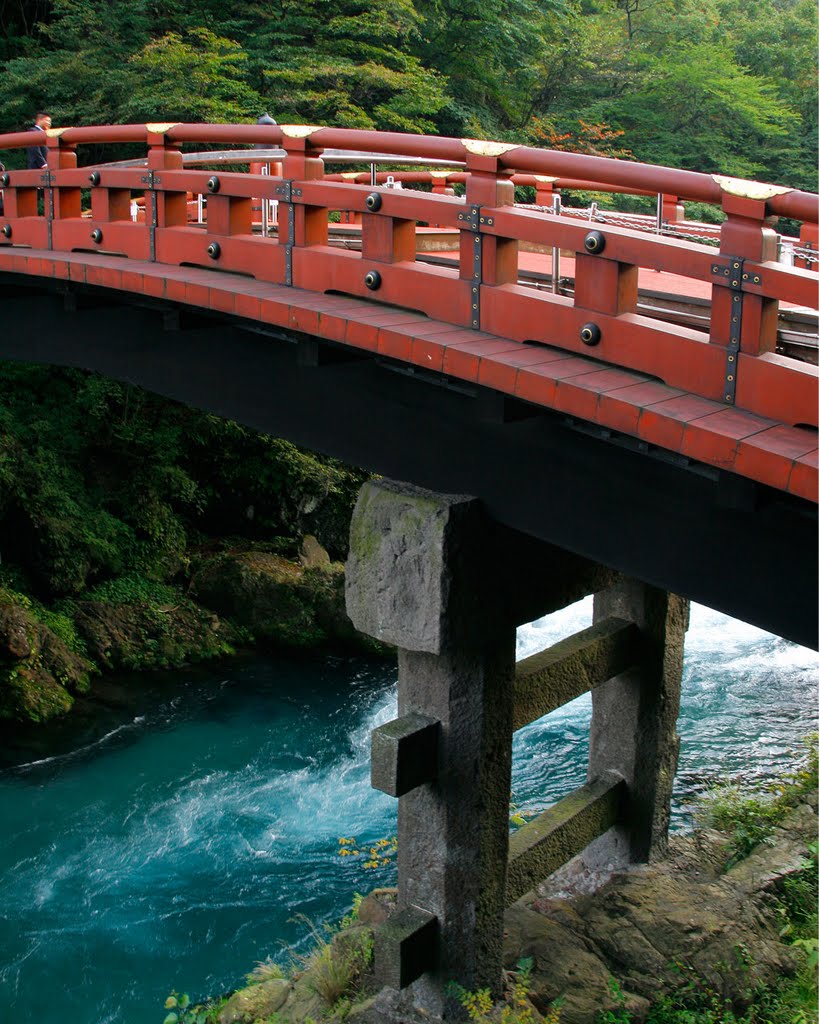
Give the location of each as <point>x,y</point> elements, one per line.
<point>710,85</point>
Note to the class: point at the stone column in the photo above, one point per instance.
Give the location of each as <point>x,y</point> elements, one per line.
<point>634,721</point>
<point>417,578</point>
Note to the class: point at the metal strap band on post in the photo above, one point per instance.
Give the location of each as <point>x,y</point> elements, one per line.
<point>735,278</point>
<point>48,205</point>
<point>471,218</point>
<point>286,192</point>
<point>152,179</point>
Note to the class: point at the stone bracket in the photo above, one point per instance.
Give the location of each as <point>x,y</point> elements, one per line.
<point>405,947</point>
<point>404,754</point>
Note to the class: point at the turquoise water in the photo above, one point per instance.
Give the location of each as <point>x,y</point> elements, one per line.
<point>174,850</point>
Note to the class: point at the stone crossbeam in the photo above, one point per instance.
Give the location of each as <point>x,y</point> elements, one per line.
<point>551,678</point>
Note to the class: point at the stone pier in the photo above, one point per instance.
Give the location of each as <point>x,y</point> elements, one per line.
<point>432,575</point>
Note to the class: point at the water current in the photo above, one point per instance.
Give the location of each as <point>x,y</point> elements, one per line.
<point>180,840</point>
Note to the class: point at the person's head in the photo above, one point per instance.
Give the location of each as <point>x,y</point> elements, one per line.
<point>43,120</point>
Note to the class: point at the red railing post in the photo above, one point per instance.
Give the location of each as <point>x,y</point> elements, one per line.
<point>65,202</point>
<point>230,215</point>
<point>306,225</point>
<point>544,190</point>
<point>168,209</point>
<point>672,211</point>
<point>747,234</point>
<point>488,185</point>
<point>808,239</point>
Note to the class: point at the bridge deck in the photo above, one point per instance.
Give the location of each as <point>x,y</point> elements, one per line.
<point>622,401</point>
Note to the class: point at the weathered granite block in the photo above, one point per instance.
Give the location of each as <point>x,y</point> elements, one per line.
<point>398,570</point>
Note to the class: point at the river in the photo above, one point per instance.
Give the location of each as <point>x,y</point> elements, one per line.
<point>188,831</point>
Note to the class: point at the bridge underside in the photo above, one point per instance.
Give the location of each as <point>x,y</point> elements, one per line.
<point>717,538</point>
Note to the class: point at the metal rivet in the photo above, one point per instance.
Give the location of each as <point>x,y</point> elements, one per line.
<point>594,242</point>
<point>490,221</point>
<point>744,277</point>
<point>214,184</point>
<point>474,305</point>
<point>94,177</point>
<point>7,230</point>
<point>734,319</point>
<point>477,239</point>
<point>590,334</point>
<point>734,284</point>
<point>756,280</point>
<point>714,270</point>
<point>736,298</point>
<point>373,201</point>
<point>731,359</point>
<point>96,235</point>
<point>736,266</point>
<point>727,398</point>
<point>372,280</point>
<point>730,378</point>
<point>214,250</point>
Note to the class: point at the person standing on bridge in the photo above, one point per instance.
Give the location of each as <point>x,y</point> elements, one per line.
<point>37,156</point>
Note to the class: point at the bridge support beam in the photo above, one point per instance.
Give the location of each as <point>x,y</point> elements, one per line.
<point>432,575</point>
<point>634,720</point>
<point>414,579</point>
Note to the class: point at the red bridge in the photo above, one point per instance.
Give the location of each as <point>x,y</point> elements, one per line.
<point>679,447</point>
<point>608,424</point>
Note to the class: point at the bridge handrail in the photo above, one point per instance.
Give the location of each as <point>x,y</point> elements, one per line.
<point>735,365</point>
<point>691,185</point>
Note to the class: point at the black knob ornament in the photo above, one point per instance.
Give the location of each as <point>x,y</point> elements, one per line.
<point>96,235</point>
<point>214,184</point>
<point>5,180</point>
<point>590,334</point>
<point>373,201</point>
<point>94,178</point>
<point>7,230</point>
<point>214,250</point>
<point>373,280</point>
<point>594,242</point>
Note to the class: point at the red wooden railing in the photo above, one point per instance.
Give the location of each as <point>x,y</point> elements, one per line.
<point>735,365</point>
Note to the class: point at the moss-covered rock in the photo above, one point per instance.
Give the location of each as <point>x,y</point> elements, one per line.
<point>278,600</point>
<point>256,1002</point>
<point>145,635</point>
<point>39,672</point>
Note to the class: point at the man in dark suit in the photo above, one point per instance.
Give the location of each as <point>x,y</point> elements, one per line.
<point>37,156</point>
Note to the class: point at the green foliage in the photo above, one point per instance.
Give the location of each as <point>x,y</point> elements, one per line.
<point>617,1014</point>
<point>749,818</point>
<point>335,967</point>
<point>182,1011</point>
<point>716,85</point>
<point>265,970</point>
<point>516,1007</point>
<point>106,490</point>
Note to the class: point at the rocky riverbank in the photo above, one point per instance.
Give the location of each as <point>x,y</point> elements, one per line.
<point>616,948</point>
<point>140,534</point>
<point>237,595</point>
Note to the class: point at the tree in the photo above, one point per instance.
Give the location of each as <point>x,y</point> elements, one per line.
<point>350,64</point>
